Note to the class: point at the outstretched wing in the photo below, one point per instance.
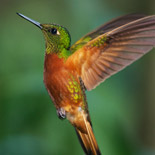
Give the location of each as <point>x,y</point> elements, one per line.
<point>113,50</point>
<point>105,28</point>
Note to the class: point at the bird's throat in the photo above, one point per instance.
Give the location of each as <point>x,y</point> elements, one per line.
<point>59,51</point>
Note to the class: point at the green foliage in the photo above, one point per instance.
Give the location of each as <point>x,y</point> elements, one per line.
<point>122,108</point>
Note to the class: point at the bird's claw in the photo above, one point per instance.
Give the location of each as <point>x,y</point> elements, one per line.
<point>61,113</point>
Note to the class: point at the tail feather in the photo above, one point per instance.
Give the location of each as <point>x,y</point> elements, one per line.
<point>87,140</point>
<point>83,141</point>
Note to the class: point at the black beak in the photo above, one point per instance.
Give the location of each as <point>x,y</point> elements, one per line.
<point>31,20</point>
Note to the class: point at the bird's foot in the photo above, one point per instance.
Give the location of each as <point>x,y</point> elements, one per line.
<point>61,113</point>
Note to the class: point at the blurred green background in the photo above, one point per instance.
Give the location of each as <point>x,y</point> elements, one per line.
<point>122,108</point>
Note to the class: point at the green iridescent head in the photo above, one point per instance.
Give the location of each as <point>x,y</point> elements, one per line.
<point>57,37</point>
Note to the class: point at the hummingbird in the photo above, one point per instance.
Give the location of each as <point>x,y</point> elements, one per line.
<point>70,70</point>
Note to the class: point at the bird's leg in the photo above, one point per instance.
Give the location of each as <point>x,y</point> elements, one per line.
<point>61,113</point>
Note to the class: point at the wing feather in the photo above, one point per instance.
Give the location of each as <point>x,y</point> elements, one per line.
<point>123,45</point>
<point>105,28</point>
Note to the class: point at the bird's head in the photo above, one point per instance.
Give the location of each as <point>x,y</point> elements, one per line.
<point>57,37</point>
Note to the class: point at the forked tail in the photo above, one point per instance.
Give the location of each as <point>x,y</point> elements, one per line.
<point>87,140</point>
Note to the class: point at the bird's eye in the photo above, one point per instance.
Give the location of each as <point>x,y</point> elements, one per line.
<point>53,31</point>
